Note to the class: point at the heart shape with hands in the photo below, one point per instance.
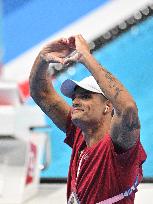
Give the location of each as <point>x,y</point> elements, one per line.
<point>65,50</point>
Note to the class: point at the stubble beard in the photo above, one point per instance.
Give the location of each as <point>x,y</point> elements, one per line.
<point>82,121</point>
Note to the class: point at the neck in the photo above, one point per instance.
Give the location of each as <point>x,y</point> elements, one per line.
<point>94,134</point>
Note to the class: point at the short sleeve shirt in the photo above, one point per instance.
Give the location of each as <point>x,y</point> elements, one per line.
<point>98,173</point>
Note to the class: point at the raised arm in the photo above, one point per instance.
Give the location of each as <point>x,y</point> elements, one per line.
<point>41,88</point>
<point>125,123</point>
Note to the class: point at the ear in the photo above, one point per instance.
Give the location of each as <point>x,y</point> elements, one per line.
<point>108,107</point>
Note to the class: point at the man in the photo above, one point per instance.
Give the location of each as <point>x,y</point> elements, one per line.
<point>102,126</point>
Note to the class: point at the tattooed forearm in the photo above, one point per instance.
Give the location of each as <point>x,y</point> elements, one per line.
<point>39,70</point>
<point>48,108</point>
<point>112,84</point>
<point>40,81</point>
<point>56,110</point>
<point>112,88</point>
<point>117,92</point>
<point>39,87</point>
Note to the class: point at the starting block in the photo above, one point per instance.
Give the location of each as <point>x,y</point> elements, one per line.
<point>22,146</point>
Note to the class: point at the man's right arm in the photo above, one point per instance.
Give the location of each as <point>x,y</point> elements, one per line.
<point>44,94</point>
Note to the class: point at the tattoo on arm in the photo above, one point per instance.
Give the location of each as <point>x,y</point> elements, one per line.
<point>48,108</point>
<point>39,89</point>
<point>125,130</point>
<point>112,84</point>
<point>39,80</point>
<point>44,94</point>
<point>56,110</point>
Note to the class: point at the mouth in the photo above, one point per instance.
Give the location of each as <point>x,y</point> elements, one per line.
<point>76,110</point>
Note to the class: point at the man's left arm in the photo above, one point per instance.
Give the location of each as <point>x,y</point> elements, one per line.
<point>125,124</point>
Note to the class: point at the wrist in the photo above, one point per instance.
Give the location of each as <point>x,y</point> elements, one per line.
<point>86,57</point>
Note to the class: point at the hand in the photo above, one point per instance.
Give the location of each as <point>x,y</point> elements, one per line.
<point>80,46</point>
<point>57,51</point>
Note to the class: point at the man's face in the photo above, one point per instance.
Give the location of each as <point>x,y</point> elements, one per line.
<point>87,107</point>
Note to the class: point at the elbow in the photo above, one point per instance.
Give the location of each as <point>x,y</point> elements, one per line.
<point>126,107</point>
<point>128,103</point>
<point>130,109</point>
<point>130,106</point>
<point>130,117</point>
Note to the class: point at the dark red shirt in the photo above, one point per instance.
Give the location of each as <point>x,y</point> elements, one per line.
<point>102,173</point>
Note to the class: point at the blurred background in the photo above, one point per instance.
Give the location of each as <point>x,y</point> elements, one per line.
<point>120,33</point>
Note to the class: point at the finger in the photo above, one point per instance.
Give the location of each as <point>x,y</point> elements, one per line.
<point>67,61</point>
<point>50,58</point>
<point>80,38</point>
<point>54,58</point>
<point>72,54</point>
<point>71,40</point>
<point>73,58</point>
<point>62,42</point>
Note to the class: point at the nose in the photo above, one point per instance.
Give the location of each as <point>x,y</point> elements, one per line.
<point>76,102</point>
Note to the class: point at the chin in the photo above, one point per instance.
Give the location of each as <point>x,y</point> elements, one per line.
<point>77,121</point>
<point>75,116</point>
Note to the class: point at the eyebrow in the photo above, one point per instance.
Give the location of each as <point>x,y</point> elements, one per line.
<point>82,93</point>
